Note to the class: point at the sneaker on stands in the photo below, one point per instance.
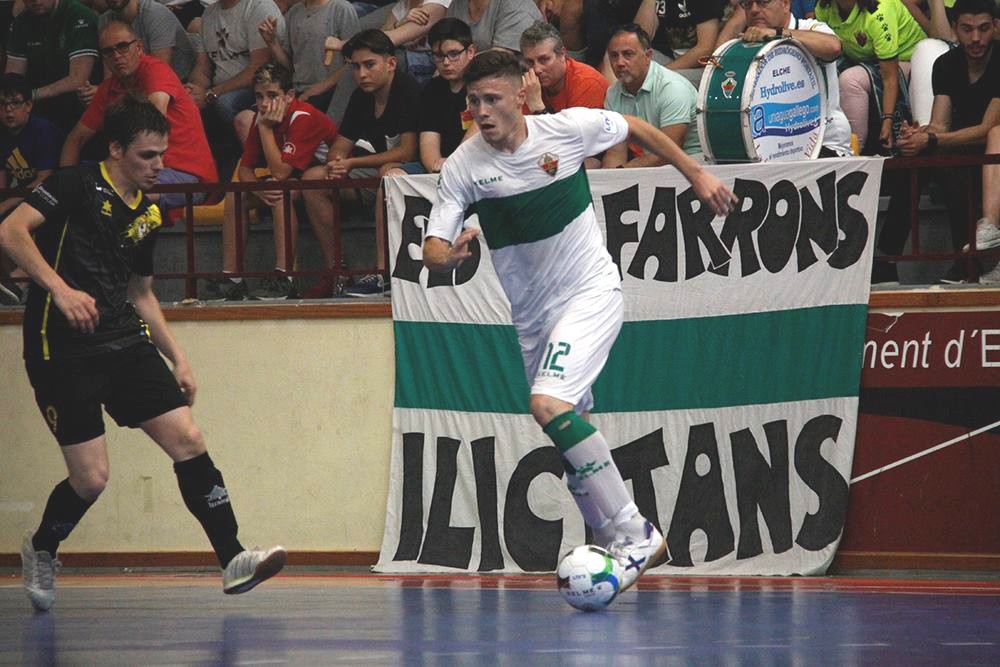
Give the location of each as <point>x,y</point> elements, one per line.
<point>275,288</point>
<point>251,567</point>
<point>223,289</point>
<point>635,554</point>
<point>368,286</point>
<point>991,277</point>
<point>955,275</point>
<point>987,236</point>
<point>38,568</point>
<point>11,293</point>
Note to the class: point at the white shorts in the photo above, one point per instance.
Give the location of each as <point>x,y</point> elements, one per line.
<point>564,359</point>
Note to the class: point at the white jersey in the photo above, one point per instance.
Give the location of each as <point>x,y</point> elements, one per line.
<point>535,210</point>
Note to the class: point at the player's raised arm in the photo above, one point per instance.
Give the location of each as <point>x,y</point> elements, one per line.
<point>710,190</point>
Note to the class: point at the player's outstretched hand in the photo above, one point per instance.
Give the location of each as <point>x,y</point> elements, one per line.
<point>714,193</point>
<point>460,250</point>
<point>79,308</point>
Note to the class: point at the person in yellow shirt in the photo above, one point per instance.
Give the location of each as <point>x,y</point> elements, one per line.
<point>878,39</point>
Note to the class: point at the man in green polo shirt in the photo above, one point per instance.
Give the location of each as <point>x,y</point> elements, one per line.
<point>54,44</point>
<point>644,88</point>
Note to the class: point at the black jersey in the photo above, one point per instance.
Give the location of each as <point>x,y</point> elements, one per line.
<point>95,241</point>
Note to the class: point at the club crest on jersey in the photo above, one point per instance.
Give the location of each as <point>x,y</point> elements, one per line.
<point>142,226</point>
<point>106,209</point>
<point>549,163</point>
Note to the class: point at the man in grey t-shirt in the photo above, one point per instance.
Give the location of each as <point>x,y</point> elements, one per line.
<point>500,25</point>
<point>161,33</point>
<point>229,50</point>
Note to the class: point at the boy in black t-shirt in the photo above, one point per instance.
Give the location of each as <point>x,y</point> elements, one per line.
<point>93,334</point>
<point>966,84</point>
<point>379,128</point>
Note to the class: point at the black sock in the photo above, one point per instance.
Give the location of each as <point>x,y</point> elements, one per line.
<point>62,512</point>
<point>205,495</point>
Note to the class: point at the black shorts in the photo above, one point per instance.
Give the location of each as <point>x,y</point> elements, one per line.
<point>134,385</point>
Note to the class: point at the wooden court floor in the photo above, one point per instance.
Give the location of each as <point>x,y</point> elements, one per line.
<point>366,619</point>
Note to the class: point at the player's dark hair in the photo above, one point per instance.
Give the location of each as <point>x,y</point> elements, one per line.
<point>130,117</point>
<point>15,84</point>
<point>973,7</point>
<point>273,72</point>
<point>490,64</point>
<point>452,29</point>
<point>375,41</point>
<point>634,29</point>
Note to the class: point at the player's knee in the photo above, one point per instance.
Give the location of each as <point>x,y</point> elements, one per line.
<point>545,408</point>
<point>90,484</point>
<point>191,440</point>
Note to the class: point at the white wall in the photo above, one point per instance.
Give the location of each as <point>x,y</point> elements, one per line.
<point>296,413</point>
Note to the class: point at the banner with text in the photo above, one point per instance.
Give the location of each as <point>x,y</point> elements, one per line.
<point>730,397</point>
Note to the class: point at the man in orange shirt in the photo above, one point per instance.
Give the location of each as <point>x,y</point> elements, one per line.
<point>553,81</point>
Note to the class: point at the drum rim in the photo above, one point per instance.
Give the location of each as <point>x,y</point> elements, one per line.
<point>710,67</point>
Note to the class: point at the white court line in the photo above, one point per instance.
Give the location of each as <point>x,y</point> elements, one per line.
<point>948,443</point>
<point>967,644</point>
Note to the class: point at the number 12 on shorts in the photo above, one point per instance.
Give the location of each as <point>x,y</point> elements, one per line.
<point>552,353</point>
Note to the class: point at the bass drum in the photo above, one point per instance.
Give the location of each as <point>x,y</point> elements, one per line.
<point>761,102</point>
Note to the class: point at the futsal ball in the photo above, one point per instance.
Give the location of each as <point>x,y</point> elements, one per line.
<point>588,578</point>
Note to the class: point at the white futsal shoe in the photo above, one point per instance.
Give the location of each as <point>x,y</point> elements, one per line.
<point>636,555</point>
<point>39,571</point>
<point>251,567</point>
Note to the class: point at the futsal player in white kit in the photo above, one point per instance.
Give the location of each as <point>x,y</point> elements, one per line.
<point>526,177</point>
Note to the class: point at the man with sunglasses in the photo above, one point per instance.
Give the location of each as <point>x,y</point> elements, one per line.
<point>133,72</point>
<point>54,44</point>
<point>760,20</point>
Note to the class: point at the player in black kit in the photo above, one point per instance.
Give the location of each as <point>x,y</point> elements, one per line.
<point>93,334</point>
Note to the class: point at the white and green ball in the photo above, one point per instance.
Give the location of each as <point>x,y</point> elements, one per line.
<point>588,578</point>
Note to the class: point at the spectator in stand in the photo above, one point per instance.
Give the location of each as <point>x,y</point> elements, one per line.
<point>161,33</point>
<point>287,136</point>
<point>406,25</point>
<point>804,9</point>
<point>645,88</point>
<point>554,81</point>
<point>988,229</point>
<point>878,37</point>
<point>307,24</point>
<point>380,127</point>
<point>136,74</point>
<point>966,107</point>
<point>54,44</point>
<point>496,23</point>
<point>658,19</point>
<point>940,40</point>
<point>229,50</point>
<point>445,121</point>
<point>188,12</point>
<point>568,16</point>
<point>29,149</point>
<point>756,22</point>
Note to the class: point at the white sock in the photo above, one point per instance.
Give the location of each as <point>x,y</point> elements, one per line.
<point>598,476</point>
<point>602,527</point>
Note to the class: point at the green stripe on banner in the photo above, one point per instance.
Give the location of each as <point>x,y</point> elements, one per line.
<point>709,362</point>
<point>463,367</point>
